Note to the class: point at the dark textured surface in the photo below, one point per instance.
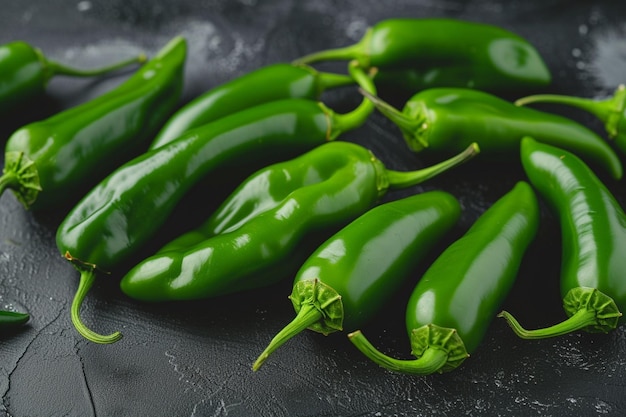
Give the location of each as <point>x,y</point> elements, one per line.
<point>194,359</point>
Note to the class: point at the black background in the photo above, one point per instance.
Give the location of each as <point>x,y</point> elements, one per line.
<point>194,359</point>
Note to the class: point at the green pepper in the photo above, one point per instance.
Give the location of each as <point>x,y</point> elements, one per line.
<point>53,160</point>
<point>610,111</point>
<point>126,209</point>
<point>351,276</point>
<point>485,55</point>
<point>26,72</point>
<point>593,229</point>
<point>269,83</point>
<point>10,320</point>
<point>453,304</point>
<point>438,119</point>
<point>308,198</point>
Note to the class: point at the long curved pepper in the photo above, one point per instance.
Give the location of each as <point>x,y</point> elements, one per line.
<point>610,111</point>
<point>52,162</point>
<point>352,275</point>
<point>26,72</point>
<point>309,198</point>
<point>118,216</point>
<point>593,228</point>
<point>437,120</point>
<point>269,83</point>
<point>494,55</point>
<point>453,304</point>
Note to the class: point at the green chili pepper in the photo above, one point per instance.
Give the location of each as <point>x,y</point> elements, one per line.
<point>490,55</point>
<point>273,82</point>
<point>308,199</point>
<point>12,319</point>
<point>351,276</point>
<point>26,72</point>
<point>610,111</point>
<point>438,120</point>
<point>51,161</point>
<point>452,306</point>
<point>593,228</point>
<point>127,208</point>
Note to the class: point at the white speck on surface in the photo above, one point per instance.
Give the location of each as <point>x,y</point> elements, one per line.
<point>83,6</point>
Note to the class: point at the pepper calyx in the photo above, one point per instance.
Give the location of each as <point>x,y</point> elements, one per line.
<point>606,312</point>
<point>431,336</point>
<point>325,299</point>
<point>21,175</point>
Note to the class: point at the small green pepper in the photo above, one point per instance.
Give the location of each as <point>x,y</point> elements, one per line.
<point>453,304</point>
<point>610,111</point>
<point>26,72</point>
<point>593,228</point>
<point>308,198</point>
<point>438,120</point>
<point>269,83</point>
<point>10,320</point>
<point>351,276</point>
<point>126,209</point>
<point>493,57</point>
<point>53,160</point>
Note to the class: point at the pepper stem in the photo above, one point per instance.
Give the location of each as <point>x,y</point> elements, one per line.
<point>329,80</point>
<point>609,111</point>
<point>87,278</point>
<point>357,117</point>
<point>409,126</point>
<point>588,309</point>
<point>398,179</point>
<point>55,68</point>
<point>432,359</point>
<point>307,316</point>
<point>358,51</point>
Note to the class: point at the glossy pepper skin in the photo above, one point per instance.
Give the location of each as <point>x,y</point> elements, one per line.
<point>269,83</point>
<point>26,72</point>
<point>437,120</point>
<point>10,320</point>
<point>120,214</point>
<point>453,304</point>
<point>485,55</point>
<point>352,275</point>
<point>593,228</point>
<point>53,160</point>
<point>611,111</point>
<point>307,199</point>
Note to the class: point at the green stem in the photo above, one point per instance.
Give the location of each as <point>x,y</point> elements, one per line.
<point>409,126</point>
<point>432,359</point>
<point>358,51</point>
<point>55,68</point>
<point>609,111</point>
<point>307,316</point>
<point>398,179</point>
<point>12,319</point>
<point>87,278</point>
<point>580,320</point>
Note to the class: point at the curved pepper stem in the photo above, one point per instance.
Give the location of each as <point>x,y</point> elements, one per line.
<point>348,121</point>
<point>609,111</point>
<point>400,179</point>
<point>432,360</point>
<point>318,308</point>
<point>307,316</point>
<point>357,51</point>
<point>20,174</point>
<point>87,278</point>
<point>54,68</point>
<point>409,126</point>
<point>588,309</point>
